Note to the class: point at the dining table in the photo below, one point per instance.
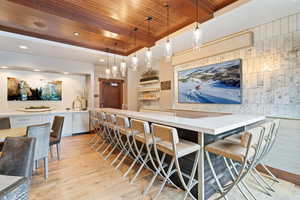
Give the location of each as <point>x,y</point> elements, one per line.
<point>205,123</point>
<point>12,132</point>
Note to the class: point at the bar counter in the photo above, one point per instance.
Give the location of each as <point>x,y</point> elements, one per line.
<point>202,128</point>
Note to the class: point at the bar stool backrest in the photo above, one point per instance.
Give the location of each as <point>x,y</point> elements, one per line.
<point>140,126</point>
<point>165,133</point>
<point>122,121</point>
<point>102,116</point>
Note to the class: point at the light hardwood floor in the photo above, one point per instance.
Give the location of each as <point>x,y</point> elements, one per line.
<point>82,174</point>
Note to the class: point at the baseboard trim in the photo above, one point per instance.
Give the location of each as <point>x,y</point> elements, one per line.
<point>83,133</point>
<point>281,174</point>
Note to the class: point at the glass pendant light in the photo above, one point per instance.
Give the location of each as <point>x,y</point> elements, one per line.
<point>168,52</point>
<point>107,70</point>
<point>114,68</point>
<point>148,56</point>
<point>197,33</point>
<point>134,59</point>
<point>123,67</point>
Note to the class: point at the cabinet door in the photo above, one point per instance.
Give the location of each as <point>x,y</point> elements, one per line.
<point>81,122</point>
<point>27,120</point>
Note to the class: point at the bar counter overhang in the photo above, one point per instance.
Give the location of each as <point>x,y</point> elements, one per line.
<point>203,129</point>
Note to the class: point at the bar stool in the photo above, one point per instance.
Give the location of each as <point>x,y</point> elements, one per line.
<point>110,122</point>
<point>271,129</point>
<point>244,153</point>
<point>101,130</point>
<point>143,136</point>
<point>171,145</point>
<point>123,130</point>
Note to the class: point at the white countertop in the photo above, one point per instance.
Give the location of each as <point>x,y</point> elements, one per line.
<point>210,125</point>
<point>21,113</point>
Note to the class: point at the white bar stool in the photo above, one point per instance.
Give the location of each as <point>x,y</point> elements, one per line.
<point>171,145</point>
<point>244,153</point>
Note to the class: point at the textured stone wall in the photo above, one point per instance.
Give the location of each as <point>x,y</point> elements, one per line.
<point>271,71</point>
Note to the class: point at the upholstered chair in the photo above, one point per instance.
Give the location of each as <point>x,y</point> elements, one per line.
<point>42,134</point>
<point>55,136</point>
<point>17,156</point>
<point>4,123</point>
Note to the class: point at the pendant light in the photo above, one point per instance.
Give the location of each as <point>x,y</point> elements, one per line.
<point>114,68</point>
<point>134,59</point>
<point>168,46</point>
<point>123,67</point>
<point>148,56</point>
<point>197,33</point>
<point>107,70</point>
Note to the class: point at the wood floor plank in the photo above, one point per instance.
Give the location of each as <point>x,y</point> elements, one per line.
<point>82,174</point>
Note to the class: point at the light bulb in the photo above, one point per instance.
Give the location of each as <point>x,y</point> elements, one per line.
<point>197,38</point>
<point>114,70</point>
<point>168,50</point>
<point>107,73</point>
<point>148,58</point>
<point>123,68</point>
<point>134,62</point>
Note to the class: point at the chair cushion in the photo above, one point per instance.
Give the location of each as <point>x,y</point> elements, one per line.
<point>183,147</point>
<point>230,150</point>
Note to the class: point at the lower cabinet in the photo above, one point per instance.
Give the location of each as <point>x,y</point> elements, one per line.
<point>74,122</point>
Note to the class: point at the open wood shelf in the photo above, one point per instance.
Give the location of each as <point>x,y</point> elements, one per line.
<point>149,82</point>
<point>148,89</point>
<point>149,99</point>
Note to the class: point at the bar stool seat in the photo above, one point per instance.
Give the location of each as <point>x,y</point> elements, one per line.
<point>230,150</point>
<point>141,138</point>
<point>183,147</point>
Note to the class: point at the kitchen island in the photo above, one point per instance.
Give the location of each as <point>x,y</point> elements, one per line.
<point>200,129</point>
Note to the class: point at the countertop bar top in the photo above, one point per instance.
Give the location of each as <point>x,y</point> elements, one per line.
<point>22,113</point>
<point>211,124</point>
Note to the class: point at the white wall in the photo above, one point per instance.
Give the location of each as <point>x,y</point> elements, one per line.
<point>72,86</point>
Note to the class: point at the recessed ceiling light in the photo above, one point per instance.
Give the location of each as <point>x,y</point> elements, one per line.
<point>4,67</point>
<point>36,70</point>
<point>23,47</point>
<point>76,33</point>
<point>101,60</point>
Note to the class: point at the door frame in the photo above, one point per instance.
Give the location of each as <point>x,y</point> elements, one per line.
<point>101,80</point>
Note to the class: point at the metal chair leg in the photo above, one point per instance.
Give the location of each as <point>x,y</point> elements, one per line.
<point>273,177</point>
<point>58,151</point>
<point>168,174</point>
<point>215,175</point>
<point>46,168</point>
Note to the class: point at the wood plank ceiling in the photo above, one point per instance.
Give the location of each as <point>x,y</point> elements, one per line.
<point>102,24</point>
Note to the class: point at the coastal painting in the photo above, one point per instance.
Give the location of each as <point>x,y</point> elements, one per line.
<point>33,90</point>
<point>214,84</point>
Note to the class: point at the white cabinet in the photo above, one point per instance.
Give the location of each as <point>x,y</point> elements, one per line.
<point>81,122</point>
<point>74,122</point>
<point>21,121</point>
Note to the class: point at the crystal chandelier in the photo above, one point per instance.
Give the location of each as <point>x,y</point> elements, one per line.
<point>197,33</point>
<point>168,46</point>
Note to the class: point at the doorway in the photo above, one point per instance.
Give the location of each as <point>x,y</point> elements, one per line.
<point>111,93</point>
